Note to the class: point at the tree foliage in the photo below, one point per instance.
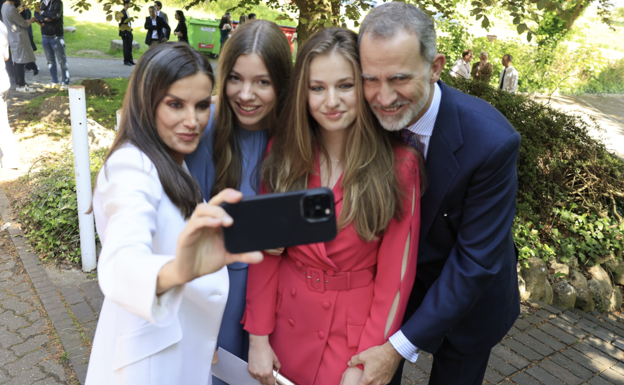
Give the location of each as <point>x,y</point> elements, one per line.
<point>533,17</point>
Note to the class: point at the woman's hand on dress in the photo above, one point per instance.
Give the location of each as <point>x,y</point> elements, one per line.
<point>275,251</point>
<point>351,376</point>
<point>200,250</point>
<point>262,360</point>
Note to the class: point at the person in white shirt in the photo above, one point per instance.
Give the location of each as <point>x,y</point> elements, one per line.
<point>462,66</point>
<point>162,266</point>
<point>163,15</point>
<point>10,156</point>
<point>509,77</point>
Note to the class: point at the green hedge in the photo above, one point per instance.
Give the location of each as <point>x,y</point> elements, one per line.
<point>570,188</point>
<point>50,213</point>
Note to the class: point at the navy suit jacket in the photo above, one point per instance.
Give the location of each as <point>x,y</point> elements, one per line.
<point>466,288</point>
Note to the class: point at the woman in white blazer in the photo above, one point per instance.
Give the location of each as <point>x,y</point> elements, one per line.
<point>161,268</point>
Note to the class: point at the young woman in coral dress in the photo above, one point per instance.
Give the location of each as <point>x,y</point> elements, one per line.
<point>311,308</point>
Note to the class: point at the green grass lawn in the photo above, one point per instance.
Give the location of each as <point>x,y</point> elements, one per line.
<point>92,39</point>
<point>99,108</point>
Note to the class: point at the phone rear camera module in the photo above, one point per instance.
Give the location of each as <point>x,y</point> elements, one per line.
<point>317,208</point>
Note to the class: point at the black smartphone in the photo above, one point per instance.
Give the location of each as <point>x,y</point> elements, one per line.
<point>280,220</point>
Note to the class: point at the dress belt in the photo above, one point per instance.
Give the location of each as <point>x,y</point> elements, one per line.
<point>319,281</point>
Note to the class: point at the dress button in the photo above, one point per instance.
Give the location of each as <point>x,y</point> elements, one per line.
<point>291,322</point>
<point>299,264</point>
<point>321,335</point>
<point>331,273</point>
<point>293,291</point>
<point>326,305</point>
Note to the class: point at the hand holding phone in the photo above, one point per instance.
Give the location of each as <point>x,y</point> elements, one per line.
<point>280,220</point>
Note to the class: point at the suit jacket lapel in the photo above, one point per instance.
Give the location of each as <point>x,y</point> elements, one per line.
<point>442,165</point>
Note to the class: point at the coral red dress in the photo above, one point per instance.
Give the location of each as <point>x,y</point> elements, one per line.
<point>323,303</point>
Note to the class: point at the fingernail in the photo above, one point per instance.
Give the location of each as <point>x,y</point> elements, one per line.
<point>227,219</point>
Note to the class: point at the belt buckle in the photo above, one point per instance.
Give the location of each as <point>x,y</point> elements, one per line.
<point>316,280</point>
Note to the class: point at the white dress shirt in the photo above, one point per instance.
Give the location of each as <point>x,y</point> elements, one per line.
<point>155,32</point>
<point>422,130</point>
<point>461,68</point>
<point>509,82</point>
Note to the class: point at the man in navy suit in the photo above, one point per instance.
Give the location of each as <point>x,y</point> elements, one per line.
<point>465,296</point>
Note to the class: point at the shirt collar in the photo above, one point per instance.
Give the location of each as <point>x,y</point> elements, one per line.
<point>424,125</point>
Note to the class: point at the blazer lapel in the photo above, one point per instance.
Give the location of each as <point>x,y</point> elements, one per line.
<point>442,165</point>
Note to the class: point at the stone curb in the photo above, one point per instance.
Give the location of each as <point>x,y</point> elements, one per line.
<point>46,291</point>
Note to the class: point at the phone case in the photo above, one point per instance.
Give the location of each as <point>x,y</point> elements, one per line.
<point>276,220</point>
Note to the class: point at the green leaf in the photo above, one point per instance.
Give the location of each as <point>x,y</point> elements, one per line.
<point>529,36</point>
<point>488,2</point>
<point>541,4</point>
<point>521,28</point>
<point>516,20</point>
<point>303,20</point>
<point>485,23</point>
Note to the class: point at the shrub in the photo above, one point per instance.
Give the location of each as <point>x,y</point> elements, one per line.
<point>570,188</point>
<point>50,211</point>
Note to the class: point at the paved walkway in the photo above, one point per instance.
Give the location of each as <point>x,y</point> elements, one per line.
<point>546,345</point>
<point>30,352</point>
<point>551,347</point>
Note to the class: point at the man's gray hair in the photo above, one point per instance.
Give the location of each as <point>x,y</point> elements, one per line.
<point>483,53</point>
<point>385,20</point>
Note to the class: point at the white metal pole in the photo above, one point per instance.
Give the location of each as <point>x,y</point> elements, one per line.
<point>78,114</point>
<point>118,120</point>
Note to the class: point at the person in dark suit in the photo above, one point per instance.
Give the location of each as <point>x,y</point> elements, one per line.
<point>158,30</point>
<point>465,296</point>
<point>125,32</point>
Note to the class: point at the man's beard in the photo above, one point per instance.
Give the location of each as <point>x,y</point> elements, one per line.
<point>399,122</point>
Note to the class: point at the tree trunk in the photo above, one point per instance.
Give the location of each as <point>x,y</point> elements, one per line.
<point>315,12</point>
<point>576,13</point>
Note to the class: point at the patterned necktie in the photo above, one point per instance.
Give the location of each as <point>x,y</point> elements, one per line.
<point>410,138</point>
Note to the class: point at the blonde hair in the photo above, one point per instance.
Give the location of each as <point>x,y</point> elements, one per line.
<point>371,192</point>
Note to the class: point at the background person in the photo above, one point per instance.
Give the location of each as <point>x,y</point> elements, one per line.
<point>328,137</point>
<point>157,29</point>
<point>10,154</point>
<point>461,66</point>
<point>225,26</point>
<point>50,17</point>
<point>160,13</point>
<point>253,78</point>
<point>181,30</point>
<point>17,29</point>
<point>242,20</point>
<point>252,16</point>
<point>32,66</point>
<point>162,265</point>
<point>465,296</point>
<point>482,70</point>
<point>509,77</point>
<point>126,34</point>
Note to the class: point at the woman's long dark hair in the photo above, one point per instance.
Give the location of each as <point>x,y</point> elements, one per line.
<point>224,20</point>
<point>267,40</point>
<point>152,77</point>
<point>181,16</point>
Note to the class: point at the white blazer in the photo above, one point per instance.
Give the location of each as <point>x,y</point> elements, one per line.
<point>142,338</point>
<point>510,83</point>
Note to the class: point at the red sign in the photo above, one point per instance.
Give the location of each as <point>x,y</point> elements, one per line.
<point>207,46</point>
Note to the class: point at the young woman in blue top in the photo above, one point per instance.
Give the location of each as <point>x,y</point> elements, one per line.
<point>254,70</point>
